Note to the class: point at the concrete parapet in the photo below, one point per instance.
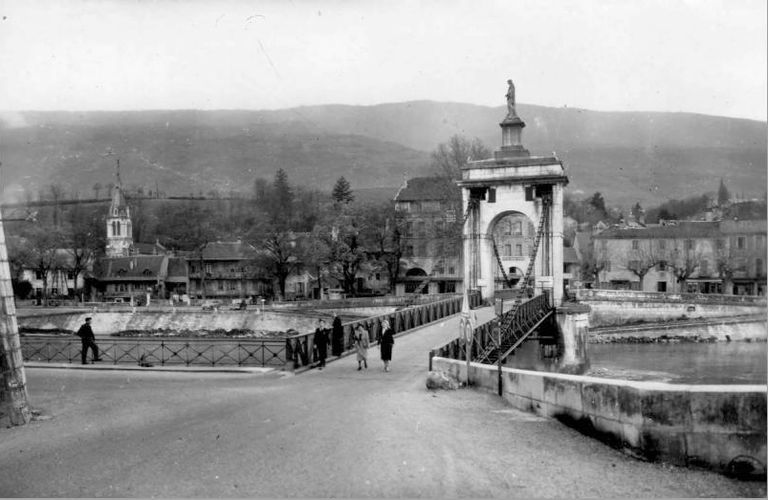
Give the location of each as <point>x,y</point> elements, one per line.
<point>720,427</point>
<point>583,294</point>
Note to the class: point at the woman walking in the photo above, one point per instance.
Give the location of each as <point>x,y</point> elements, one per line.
<point>361,344</point>
<point>387,341</point>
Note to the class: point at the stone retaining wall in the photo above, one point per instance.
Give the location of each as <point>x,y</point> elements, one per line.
<point>749,328</point>
<point>610,312</point>
<point>720,427</point>
<point>107,323</point>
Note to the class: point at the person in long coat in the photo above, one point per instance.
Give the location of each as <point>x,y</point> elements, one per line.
<point>337,336</point>
<point>387,341</point>
<point>361,345</point>
<point>321,343</point>
<point>89,342</point>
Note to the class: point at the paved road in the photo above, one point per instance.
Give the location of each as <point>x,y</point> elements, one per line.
<point>336,432</point>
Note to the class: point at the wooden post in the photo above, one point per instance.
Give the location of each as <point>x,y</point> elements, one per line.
<point>13,392</point>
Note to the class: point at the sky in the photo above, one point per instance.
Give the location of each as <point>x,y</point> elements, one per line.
<point>701,56</point>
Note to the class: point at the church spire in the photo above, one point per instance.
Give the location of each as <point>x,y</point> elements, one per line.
<point>119,230</point>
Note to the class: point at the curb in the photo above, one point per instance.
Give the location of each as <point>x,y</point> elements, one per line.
<point>179,369</point>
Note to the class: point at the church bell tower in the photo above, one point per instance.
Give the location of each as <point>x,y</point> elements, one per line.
<point>119,231</point>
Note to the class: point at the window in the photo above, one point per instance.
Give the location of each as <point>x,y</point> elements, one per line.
<point>741,242</point>
<point>439,226</point>
<point>517,228</point>
<point>519,250</point>
<point>634,265</point>
<point>507,250</point>
<point>661,286</point>
<point>70,275</point>
<point>422,249</point>
<point>409,228</point>
<point>378,276</point>
<point>662,244</point>
<point>758,240</point>
<point>508,228</point>
<point>662,265</point>
<point>704,268</point>
<point>688,245</point>
<point>451,270</point>
<point>635,245</point>
<point>720,244</point>
<point>759,267</point>
<point>38,275</point>
<point>421,228</point>
<point>607,265</point>
<point>220,284</point>
<point>54,291</point>
<point>408,251</point>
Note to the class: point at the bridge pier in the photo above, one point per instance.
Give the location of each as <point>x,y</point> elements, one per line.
<point>573,332</point>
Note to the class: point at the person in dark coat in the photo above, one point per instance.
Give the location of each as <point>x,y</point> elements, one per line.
<point>89,341</point>
<point>321,343</point>
<point>337,336</point>
<point>387,341</point>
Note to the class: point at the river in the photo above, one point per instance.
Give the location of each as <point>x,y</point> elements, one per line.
<point>683,363</point>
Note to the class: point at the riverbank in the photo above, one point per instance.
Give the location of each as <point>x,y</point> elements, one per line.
<point>747,328</point>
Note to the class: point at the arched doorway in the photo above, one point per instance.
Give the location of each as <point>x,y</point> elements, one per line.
<point>413,278</point>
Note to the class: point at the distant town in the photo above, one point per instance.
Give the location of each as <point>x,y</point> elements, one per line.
<point>285,242</point>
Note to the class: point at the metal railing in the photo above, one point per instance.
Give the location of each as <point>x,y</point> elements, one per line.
<point>485,339</point>
<point>264,352</point>
<point>300,347</point>
<point>278,352</point>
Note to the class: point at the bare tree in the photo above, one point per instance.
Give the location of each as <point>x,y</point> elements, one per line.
<point>684,263</point>
<point>641,260</point>
<point>38,252</point>
<point>449,157</point>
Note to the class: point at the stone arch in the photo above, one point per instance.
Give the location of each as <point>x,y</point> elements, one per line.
<point>415,272</point>
<point>514,233</point>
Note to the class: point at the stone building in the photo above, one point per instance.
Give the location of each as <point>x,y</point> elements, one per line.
<point>431,244</point>
<point>686,256</point>
<point>227,270</point>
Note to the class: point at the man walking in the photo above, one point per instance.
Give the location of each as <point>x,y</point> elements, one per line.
<point>89,340</point>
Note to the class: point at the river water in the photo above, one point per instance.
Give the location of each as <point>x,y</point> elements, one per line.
<point>683,363</point>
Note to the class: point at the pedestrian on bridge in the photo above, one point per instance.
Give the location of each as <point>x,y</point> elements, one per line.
<point>337,336</point>
<point>321,343</point>
<point>89,342</point>
<point>362,342</point>
<point>387,341</point>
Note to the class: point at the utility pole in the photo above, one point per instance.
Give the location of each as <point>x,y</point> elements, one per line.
<point>13,391</point>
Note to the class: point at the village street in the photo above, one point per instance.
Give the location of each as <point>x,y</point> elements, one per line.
<point>332,433</point>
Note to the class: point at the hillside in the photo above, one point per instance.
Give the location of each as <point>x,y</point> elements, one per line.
<point>628,156</point>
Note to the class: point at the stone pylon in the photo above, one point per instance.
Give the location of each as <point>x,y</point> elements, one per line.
<point>14,408</point>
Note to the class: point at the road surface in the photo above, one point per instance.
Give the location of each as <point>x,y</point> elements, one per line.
<point>332,433</point>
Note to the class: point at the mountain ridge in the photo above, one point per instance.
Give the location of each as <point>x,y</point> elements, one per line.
<point>629,156</point>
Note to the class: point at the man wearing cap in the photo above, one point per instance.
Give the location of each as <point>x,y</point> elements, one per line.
<point>89,340</point>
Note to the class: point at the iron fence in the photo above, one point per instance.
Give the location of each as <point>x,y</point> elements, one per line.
<point>300,347</point>
<point>267,352</point>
